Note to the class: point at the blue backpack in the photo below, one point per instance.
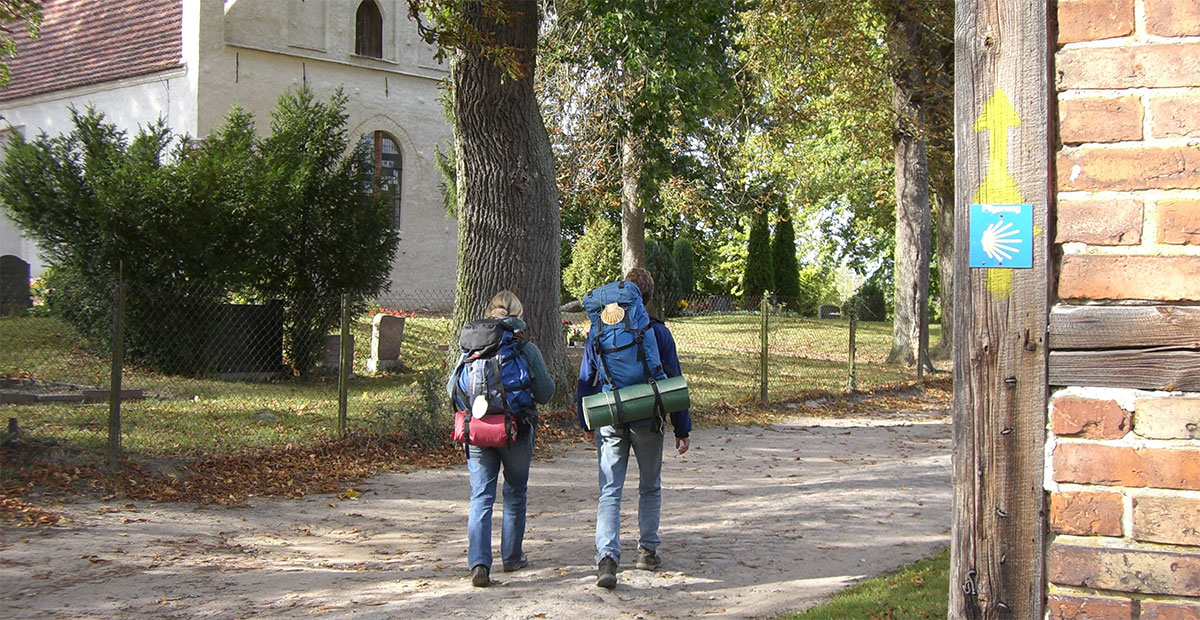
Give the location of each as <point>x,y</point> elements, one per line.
<point>491,365</point>
<point>623,340</point>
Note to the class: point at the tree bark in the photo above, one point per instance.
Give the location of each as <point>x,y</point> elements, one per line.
<point>508,217</point>
<point>912,254</point>
<point>633,217</point>
<point>943,192</point>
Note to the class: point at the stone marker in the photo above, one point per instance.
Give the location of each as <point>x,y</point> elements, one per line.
<point>14,285</point>
<point>387,333</point>
<point>333,351</point>
<point>828,311</point>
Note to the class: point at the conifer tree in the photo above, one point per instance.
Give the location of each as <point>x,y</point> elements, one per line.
<point>783,255</point>
<point>759,275</point>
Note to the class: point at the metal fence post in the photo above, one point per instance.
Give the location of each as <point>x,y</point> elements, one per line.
<point>118,362</point>
<point>853,385</point>
<point>345,360</point>
<point>763,355</point>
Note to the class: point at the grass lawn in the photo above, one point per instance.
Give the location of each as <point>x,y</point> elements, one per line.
<point>917,591</point>
<point>185,415</point>
<point>720,356</point>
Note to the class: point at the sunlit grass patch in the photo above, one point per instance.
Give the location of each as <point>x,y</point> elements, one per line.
<point>917,591</point>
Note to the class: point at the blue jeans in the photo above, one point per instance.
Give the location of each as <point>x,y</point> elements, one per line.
<point>484,465</point>
<point>612,446</point>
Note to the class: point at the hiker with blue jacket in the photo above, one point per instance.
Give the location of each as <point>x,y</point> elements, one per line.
<point>484,463</point>
<point>613,443</point>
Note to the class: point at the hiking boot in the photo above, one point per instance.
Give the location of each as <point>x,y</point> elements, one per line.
<point>648,560</point>
<point>515,566</point>
<point>479,576</point>
<point>606,573</point>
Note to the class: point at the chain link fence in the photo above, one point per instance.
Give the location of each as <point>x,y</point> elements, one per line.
<point>185,371</point>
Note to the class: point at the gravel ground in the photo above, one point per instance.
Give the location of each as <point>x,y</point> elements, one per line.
<point>757,521</point>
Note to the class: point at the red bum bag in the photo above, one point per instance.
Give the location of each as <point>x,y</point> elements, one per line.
<point>493,430</point>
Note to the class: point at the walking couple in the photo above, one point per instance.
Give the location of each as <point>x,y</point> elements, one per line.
<point>529,383</point>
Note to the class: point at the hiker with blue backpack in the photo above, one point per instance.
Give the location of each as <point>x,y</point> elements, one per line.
<point>629,351</point>
<point>494,387</point>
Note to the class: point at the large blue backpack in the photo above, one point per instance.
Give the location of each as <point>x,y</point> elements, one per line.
<point>491,365</point>
<point>622,338</point>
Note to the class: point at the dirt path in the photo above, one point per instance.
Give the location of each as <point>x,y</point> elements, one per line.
<point>757,521</point>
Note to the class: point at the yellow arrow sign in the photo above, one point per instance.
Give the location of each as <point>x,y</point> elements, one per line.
<point>998,186</point>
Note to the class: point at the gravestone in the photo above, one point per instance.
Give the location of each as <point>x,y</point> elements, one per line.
<point>333,351</point>
<point>387,333</point>
<point>249,340</point>
<point>719,303</point>
<point>828,311</point>
<point>14,285</point>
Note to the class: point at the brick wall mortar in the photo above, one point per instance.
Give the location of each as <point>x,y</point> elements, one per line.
<point>1144,249</point>
<point>1136,39</point>
<point>1132,145</point>
<point>1127,514</point>
<point>1056,589</point>
<point>1117,543</point>
<point>1129,492</point>
<point>1137,443</point>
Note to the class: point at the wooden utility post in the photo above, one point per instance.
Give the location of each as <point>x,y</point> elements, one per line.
<point>1003,145</point>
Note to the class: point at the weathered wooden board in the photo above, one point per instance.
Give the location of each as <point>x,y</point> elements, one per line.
<point>1116,327</point>
<point>1127,368</point>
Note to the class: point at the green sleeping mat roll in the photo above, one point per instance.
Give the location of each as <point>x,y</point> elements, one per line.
<point>637,402</point>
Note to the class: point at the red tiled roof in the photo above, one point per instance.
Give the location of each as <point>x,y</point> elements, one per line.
<point>92,41</point>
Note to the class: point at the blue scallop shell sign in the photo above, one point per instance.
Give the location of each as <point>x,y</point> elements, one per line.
<point>1001,236</point>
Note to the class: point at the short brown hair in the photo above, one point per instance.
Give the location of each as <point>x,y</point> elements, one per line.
<point>644,282</point>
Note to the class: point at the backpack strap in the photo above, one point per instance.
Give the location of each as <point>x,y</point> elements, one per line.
<point>498,361</point>
<point>467,435</point>
<point>616,394</point>
<point>658,403</point>
<point>459,393</point>
<point>608,378</point>
<point>661,418</point>
<point>639,338</point>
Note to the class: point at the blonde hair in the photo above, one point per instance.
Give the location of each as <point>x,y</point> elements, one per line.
<point>505,303</point>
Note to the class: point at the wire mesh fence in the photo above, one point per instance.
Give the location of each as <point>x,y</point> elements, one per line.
<point>203,371</point>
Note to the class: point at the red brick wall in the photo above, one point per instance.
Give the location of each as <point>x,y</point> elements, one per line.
<point>1124,465</point>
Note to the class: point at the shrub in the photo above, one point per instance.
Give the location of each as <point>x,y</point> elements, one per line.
<point>667,290</point>
<point>869,302</point>
<point>815,286</point>
<point>596,259</point>
<point>309,187</point>
<point>685,260</point>
<point>290,216</point>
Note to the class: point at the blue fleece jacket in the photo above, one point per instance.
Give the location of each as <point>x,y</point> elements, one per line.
<point>681,421</point>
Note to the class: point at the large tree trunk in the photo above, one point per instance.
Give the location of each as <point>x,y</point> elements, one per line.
<point>943,192</point>
<point>909,329</point>
<point>633,217</point>
<point>508,218</point>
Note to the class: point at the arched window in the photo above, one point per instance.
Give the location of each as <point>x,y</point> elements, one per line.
<point>389,169</point>
<point>368,30</point>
